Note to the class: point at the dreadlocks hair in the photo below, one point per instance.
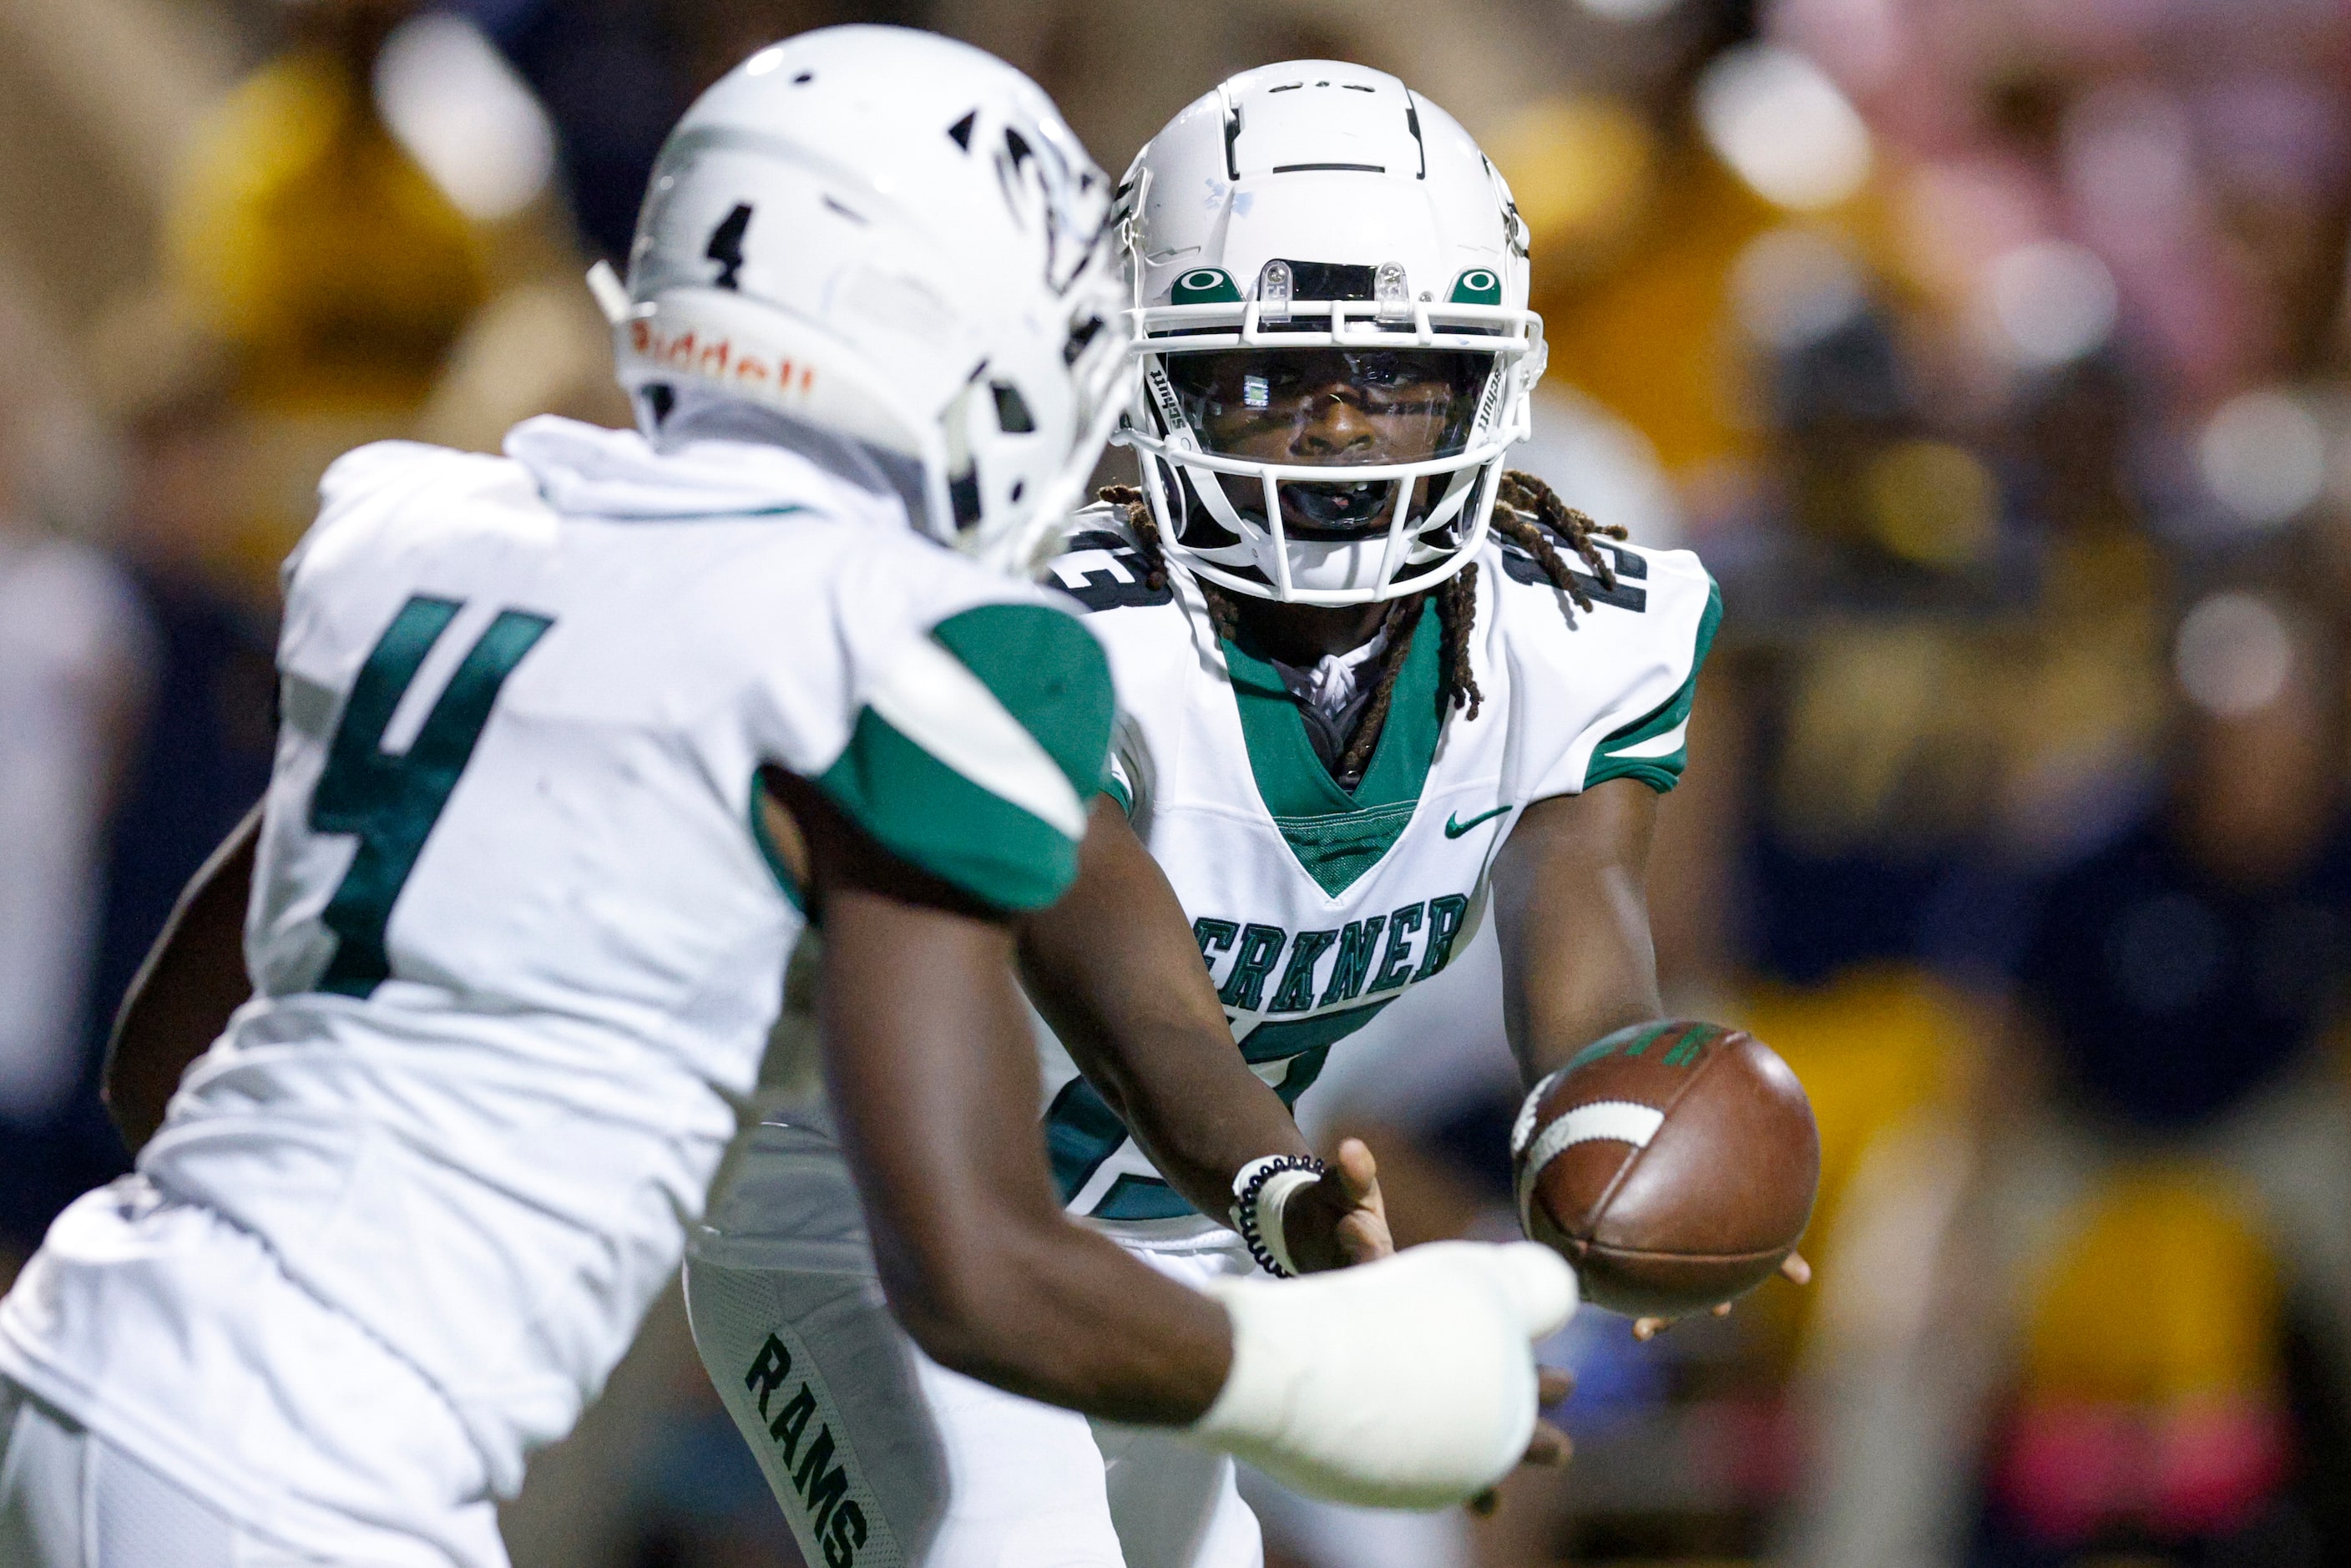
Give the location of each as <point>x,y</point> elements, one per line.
<point>1396,626</point>
<point>1526,511</point>
<point>1222,618</point>
<point>1456,613</point>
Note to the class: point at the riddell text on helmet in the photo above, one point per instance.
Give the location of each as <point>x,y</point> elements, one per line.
<point>719,359</point>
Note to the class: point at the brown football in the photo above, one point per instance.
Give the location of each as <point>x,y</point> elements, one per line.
<point>1674,1164</point>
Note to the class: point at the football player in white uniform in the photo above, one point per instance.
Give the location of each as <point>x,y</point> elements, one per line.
<point>571,738</point>
<point>1354,724</point>
<point>1375,686</point>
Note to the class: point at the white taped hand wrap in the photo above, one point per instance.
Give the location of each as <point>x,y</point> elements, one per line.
<point>1262,1189</point>
<point>1279,1188</point>
<point>1407,1382</point>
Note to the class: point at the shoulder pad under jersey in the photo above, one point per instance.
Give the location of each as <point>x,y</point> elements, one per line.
<point>1625,670</point>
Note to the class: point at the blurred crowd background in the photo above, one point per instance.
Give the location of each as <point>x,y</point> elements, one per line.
<point>1993,353</point>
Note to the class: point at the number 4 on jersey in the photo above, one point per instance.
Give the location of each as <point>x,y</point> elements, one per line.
<point>392,802</point>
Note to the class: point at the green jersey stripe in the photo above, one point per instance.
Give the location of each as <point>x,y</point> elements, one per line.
<point>1654,748</point>
<point>1051,675</point>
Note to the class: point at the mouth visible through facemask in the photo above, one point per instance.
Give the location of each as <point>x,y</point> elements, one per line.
<point>1337,511</point>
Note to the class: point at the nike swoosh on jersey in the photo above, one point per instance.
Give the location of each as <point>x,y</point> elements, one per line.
<point>1455,828</point>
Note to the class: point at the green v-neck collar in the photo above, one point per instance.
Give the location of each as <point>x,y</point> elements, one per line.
<point>1337,836</point>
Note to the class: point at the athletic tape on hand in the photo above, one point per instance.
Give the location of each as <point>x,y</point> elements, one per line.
<point>1407,1382</point>
<point>1261,1190</point>
<point>1272,1202</point>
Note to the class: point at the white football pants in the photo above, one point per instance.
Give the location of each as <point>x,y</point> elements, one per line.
<point>176,1401</point>
<point>68,1498</point>
<point>883,1458</point>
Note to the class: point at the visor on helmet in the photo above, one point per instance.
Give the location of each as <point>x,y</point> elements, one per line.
<point>1331,408</point>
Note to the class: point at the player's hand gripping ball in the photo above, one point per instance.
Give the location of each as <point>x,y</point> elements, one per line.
<point>1673,1163</point>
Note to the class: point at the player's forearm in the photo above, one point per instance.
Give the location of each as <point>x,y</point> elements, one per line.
<point>933,1078</point>
<point>180,1001</point>
<point>1560,1005</point>
<point>1570,908</point>
<point>1113,970</point>
<point>1193,1106</point>
<point>1201,1159</point>
<point>1126,1343</point>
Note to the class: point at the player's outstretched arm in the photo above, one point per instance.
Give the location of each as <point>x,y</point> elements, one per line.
<point>1571,910</point>
<point>1114,969</point>
<point>190,982</point>
<point>932,1072</point>
<point>1408,1382</point>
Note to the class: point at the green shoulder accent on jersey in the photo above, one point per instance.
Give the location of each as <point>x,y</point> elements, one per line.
<point>1336,836</point>
<point>923,810</point>
<point>785,883</point>
<point>1052,676</point>
<point>1050,673</point>
<point>1660,772</point>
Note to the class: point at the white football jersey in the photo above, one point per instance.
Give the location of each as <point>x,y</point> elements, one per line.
<point>1316,908</point>
<point>516,942</point>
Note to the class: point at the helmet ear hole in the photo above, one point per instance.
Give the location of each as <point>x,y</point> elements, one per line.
<point>962,495</point>
<point>1012,415</point>
<point>660,399</point>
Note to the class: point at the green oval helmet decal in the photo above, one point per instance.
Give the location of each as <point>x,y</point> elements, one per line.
<point>1477,285</point>
<point>1204,286</point>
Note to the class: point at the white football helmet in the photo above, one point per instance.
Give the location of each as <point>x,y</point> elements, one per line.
<point>894,238</point>
<point>1330,283</point>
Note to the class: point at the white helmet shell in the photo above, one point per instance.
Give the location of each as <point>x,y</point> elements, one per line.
<point>1287,173</point>
<point>892,237</point>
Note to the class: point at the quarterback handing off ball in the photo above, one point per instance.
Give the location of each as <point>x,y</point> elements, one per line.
<point>1674,1164</point>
